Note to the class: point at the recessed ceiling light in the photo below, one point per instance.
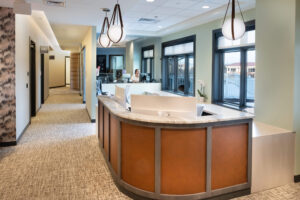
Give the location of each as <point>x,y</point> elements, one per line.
<point>150,1</point>
<point>205,7</point>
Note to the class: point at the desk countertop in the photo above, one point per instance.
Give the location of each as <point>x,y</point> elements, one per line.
<point>219,114</point>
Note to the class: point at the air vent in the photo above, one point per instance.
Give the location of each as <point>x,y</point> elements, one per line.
<point>57,3</point>
<point>148,21</point>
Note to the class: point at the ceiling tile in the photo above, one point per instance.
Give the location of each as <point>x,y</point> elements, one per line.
<point>142,8</point>
<point>191,13</point>
<point>134,14</point>
<point>178,4</point>
<point>166,11</point>
<point>155,3</point>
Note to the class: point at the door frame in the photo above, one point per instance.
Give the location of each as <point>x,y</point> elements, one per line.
<point>42,78</point>
<point>82,74</point>
<point>66,70</point>
<point>32,80</point>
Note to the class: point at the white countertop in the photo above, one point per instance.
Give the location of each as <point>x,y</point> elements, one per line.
<point>219,114</point>
<point>261,129</point>
<point>117,83</point>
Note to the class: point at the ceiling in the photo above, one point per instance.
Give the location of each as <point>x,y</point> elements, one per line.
<point>167,12</point>
<point>171,12</point>
<point>69,36</point>
<point>70,23</point>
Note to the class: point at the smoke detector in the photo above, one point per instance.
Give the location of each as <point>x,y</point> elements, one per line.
<point>57,3</point>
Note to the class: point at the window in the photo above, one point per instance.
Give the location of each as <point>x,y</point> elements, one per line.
<point>148,62</point>
<point>116,66</point>
<point>178,66</point>
<point>116,62</point>
<point>234,69</point>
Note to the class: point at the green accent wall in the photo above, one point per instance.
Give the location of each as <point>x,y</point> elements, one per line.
<point>203,59</point>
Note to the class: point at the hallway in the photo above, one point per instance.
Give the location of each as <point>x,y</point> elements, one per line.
<point>58,156</point>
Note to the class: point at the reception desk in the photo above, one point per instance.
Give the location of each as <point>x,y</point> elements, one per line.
<point>161,157</point>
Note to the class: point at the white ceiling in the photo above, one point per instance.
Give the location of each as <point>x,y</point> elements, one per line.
<point>168,12</point>
<point>69,36</point>
<point>70,23</point>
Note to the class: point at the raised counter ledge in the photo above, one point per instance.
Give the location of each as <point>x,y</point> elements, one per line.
<point>219,114</point>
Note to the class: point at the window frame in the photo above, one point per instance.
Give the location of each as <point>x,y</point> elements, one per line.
<point>110,59</point>
<point>218,70</point>
<point>165,68</point>
<point>143,59</point>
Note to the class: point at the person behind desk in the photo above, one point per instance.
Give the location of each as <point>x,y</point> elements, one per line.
<point>136,77</point>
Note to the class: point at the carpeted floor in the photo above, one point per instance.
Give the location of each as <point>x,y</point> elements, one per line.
<point>58,158</point>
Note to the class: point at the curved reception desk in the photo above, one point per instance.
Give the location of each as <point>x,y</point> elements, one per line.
<point>161,157</point>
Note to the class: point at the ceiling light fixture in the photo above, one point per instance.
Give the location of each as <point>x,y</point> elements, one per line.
<point>116,32</point>
<point>103,39</point>
<point>150,1</point>
<point>205,7</point>
<point>233,28</point>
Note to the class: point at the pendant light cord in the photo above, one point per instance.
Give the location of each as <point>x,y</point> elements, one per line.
<point>228,8</point>
<point>241,11</point>
<point>226,12</point>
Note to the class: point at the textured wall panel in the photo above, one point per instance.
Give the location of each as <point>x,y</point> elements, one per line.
<point>138,156</point>
<point>74,73</point>
<point>183,161</point>
<point>7,76</point>
<point>229,156</point>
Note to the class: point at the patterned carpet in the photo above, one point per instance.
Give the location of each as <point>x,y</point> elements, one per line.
<point>58,158</point>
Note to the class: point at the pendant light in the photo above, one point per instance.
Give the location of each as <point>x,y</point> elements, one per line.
<point>116,32</point>
<point>103,39</point>
<point>233,28</point>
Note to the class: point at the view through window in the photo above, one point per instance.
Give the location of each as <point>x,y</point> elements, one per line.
<point>250,78</point>
<point>178,66</point>
<point>148,63</point>
<point>234,70</point>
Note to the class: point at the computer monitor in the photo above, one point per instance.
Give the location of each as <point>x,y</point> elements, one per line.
<point>144,77</point>
<point>119,73</point>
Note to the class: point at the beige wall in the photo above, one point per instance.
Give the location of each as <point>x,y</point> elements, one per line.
<point>275,44</point>
<point>129,57</point>
<point>57,69</point>
<point>89,43</point>
<point>297,88</point>
<point>278,66</point>
<point>133,56</point>
<point>26,28</point>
